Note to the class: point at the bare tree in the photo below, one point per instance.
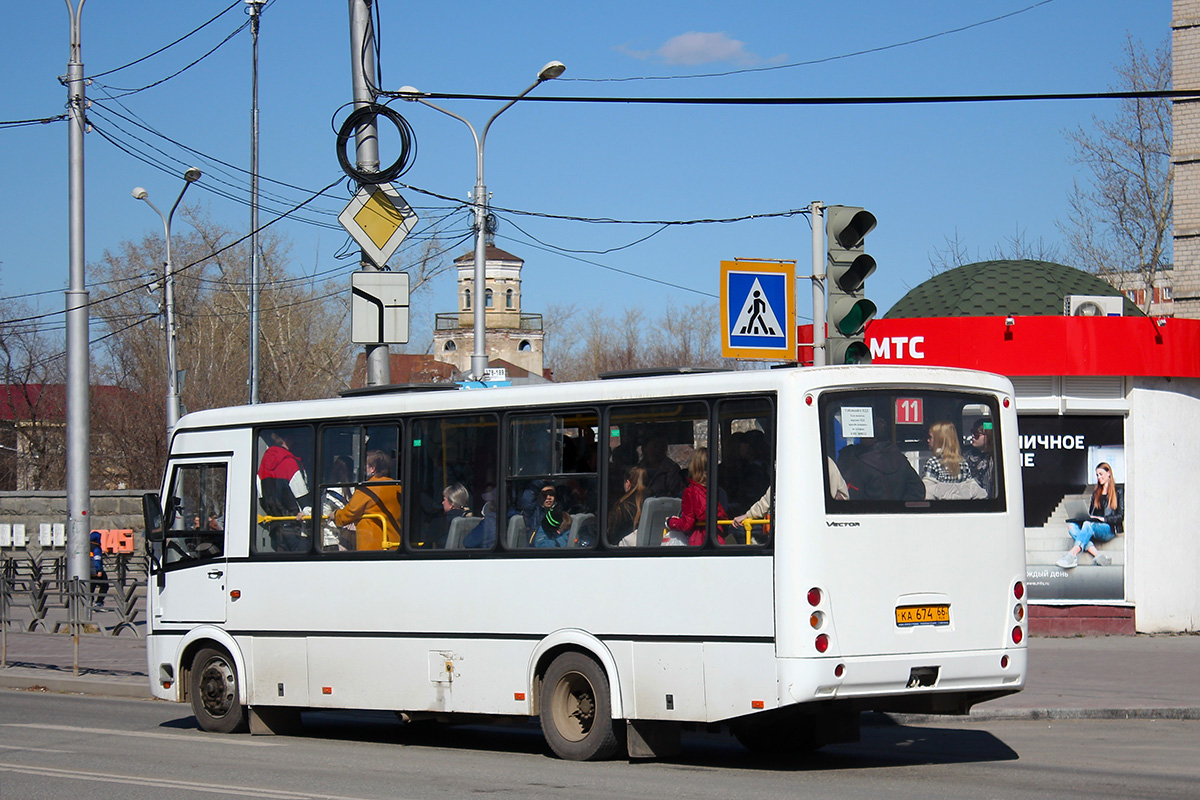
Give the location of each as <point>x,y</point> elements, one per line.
<point>32,445</point>
<point>305,349</point>
<point>581,346</point>
<point>1120,219</point>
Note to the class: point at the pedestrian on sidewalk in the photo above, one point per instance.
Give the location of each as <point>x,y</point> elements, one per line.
<point>99,576</point>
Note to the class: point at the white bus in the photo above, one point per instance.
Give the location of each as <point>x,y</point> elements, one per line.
<point>449,554</point>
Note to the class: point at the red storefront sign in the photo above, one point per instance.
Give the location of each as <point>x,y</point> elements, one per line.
<point>1011,346</point>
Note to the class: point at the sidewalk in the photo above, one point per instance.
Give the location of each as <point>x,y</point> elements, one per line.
<point>1098,677</point>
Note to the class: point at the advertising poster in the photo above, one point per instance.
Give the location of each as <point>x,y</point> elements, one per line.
<point>1059,458</point>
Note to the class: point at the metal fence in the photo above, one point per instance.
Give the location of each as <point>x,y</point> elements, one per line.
<point>36,596</point>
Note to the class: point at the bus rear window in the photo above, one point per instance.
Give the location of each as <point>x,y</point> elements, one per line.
<point>890,450</point>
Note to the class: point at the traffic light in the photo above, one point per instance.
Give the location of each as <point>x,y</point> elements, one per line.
<point>847,310</point>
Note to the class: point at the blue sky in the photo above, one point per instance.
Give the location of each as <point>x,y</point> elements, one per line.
<point>985,171</point>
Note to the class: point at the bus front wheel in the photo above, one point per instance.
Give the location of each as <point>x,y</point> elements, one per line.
<point>214,692</point>
<point>576,710</point>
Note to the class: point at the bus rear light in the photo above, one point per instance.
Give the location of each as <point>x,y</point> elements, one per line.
<point>816,620</point>
<point>1003,662</point>
<point>1018,612</point>
<point>814,596</point>
<point>1018,590</point>
<point>839,670</point>
<point>822,642</point>
<point>1017,635</point>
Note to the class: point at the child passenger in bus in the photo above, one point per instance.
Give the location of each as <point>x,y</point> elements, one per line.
<point>554,527</point>
<point>689,527</point>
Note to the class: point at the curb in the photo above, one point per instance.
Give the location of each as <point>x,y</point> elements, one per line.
<point>92,686</point>
<point>1025,714</point>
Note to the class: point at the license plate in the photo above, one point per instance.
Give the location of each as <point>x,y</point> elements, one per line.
<point>908,616</point>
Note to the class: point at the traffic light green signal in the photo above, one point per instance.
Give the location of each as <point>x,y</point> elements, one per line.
<point>848,266</point>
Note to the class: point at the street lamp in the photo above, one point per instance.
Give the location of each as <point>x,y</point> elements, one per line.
<point>479,359</point>
<point>173,410</point>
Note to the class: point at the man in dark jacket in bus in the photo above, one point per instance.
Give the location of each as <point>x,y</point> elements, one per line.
<point>876,469</point>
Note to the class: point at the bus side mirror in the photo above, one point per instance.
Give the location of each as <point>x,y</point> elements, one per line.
<point>152,515</point>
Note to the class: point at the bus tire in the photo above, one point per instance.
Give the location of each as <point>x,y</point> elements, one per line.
<point>214,692</point>
<point>576,709</point>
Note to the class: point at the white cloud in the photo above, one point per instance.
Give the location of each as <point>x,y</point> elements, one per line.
<point>692,48</point>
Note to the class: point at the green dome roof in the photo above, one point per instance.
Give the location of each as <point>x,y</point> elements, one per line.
<point>1000,288</point>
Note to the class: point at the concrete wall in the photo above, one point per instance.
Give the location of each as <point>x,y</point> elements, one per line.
<point>1163,498</point>
<point>109,510</point>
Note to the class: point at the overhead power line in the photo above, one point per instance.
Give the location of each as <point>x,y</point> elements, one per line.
<point>1173,94</point>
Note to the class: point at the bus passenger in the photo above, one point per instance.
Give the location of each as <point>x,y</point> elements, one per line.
<point>554,527</point>
<point>456,502</point>
<point>946,474</point>
<point>689,526</point>
<point>663,476</point>
<point>981,456</point>
<point>876,469</point>
<point>375,507</point>
<point>627,512</point>
<point>283,492</point>
<point>483,535</point>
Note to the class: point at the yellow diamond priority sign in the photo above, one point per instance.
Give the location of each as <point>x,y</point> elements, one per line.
<point>378,218</point>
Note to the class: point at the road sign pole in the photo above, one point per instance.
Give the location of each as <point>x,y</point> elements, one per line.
<point>362,65</point>
<point>818,283</point>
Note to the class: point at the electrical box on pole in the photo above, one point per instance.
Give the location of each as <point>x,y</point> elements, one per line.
<point>848,266</point>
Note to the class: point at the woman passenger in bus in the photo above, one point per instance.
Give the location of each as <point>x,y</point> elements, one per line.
<point>456,502</point>
<point>627,512</point>
<point>946,474</point>
<point>374,510</point>
<point>1106,518</point>
<point>689,527</point>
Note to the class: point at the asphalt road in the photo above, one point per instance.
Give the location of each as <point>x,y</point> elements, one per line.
<point>54,746</point>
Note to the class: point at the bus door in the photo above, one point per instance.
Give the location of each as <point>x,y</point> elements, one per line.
<point>191,579</point>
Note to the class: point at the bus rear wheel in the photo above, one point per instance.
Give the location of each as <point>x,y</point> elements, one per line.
<point>576,709</point>
<point>214,692</point>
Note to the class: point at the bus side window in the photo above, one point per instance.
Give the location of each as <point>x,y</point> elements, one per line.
<point>198,492</point>
<point>283,488</point>
<point>745,470</point>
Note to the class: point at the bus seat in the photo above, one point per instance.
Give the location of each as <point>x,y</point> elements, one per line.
<point>516,532</point>
<point>655,511</point>
<point>459,528</point>
<point>580,523</point>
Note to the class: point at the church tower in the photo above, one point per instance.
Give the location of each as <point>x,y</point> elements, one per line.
<point>512,335</point>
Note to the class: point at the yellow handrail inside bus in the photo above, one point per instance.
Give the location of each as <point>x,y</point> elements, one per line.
<point>747,524</point>
<point>380,518</point>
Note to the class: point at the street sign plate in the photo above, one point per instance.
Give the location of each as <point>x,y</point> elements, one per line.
<point>758,310</point>
<point>378,218</point>
<point>379,307</point>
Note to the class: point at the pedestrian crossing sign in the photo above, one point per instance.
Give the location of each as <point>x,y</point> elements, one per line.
<point>758,310</point>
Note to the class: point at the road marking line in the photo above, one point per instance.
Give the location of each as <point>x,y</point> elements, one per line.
<point>164,783</point>
<point>240,740</point>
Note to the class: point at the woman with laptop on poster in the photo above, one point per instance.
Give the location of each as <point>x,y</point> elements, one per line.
<point>1100,522</point>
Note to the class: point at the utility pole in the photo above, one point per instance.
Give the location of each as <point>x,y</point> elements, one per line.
<point>78,412</point>
<point>254,7</point>
<point>818,283</point>
<point>366,142</point>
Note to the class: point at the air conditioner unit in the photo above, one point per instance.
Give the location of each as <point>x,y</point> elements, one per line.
<point>1093,305</point>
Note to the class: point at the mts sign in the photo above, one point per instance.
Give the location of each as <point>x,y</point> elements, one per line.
<point>885,346</point>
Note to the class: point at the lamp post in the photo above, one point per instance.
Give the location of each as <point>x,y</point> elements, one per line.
<point>479,358</point>
<point>173,411</point>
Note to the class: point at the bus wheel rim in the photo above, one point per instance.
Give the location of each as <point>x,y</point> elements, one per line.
<point>217,682</point>
<point>573,706</point>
